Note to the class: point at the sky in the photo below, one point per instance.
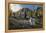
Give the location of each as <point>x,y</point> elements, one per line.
<point>16,7</point>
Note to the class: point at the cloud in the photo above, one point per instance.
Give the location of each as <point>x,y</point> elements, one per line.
<point>15,7</point>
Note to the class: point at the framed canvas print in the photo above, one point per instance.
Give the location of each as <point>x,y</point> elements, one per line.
<point>24,16</point>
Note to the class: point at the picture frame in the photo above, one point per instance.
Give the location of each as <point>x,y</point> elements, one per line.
<point>8,2</point>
